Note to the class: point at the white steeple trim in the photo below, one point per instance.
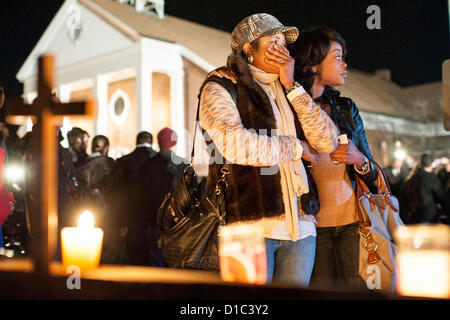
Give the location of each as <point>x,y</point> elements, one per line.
<point>147,6</point>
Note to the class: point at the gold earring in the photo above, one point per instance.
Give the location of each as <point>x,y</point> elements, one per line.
<point>314,69</point>
<point>250,59</point>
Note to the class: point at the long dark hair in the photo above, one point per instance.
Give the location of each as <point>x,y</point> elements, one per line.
<point>310,49</point>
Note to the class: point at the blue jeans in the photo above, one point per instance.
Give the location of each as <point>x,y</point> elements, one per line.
<point>290,261</point>
<point>337,259</point>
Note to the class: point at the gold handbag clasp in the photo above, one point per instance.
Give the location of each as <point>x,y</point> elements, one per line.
<point>222,179</point>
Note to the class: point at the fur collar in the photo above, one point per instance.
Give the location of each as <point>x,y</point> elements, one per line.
<point>240,68</point>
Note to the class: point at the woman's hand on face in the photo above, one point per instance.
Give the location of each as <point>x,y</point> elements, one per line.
<point>309,154</point>
<point>223,72</point>
<point>278,56</point>
<point>348,154</point>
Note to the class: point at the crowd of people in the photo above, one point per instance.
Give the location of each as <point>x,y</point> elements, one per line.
<point>423,190</point>
<point>275,102</point>
<point>123,194</point>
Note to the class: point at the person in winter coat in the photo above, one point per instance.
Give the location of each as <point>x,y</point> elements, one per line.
<point>78,143</point>
<point>99,181</point>
<point>130,166</point>
<point>421,194</point>
<point>158,176</point>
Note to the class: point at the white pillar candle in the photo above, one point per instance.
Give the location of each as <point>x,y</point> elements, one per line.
<point>82,246</point>
<point>423,261</point>
<point>424,274</point>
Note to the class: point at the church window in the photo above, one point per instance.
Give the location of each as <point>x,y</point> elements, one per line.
<point>119,106</point>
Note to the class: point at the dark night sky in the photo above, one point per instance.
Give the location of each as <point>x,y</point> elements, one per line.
<point>413,40</point>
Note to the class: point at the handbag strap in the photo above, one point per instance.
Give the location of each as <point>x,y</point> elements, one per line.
<point>221,183</point>
<point>362,191</point>
<point>383,188</point>
<point>197,119</point>
<point>382,183</point>
<point>364,228</point>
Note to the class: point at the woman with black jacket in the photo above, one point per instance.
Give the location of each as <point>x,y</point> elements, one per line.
<point>319,64</point>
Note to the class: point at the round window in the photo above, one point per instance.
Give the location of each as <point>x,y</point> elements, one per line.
<point>119,106</point>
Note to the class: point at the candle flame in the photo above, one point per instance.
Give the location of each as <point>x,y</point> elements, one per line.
<point>86,220</point>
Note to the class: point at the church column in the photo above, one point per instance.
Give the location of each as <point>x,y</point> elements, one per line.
<point>64,91</point>
<point>28,126</point>
<point>177,109</point>
<point>144,98</point>
<point>101,94</point>
<point>29,97</point>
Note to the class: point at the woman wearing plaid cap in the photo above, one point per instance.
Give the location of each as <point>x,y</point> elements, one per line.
<point>257,125</point>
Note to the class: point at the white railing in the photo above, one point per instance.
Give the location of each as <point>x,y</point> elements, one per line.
<point>147,6</point>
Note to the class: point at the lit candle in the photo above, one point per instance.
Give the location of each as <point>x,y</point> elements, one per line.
<point>242,253</point>
<point>423,261</point>
<point>82,246</point>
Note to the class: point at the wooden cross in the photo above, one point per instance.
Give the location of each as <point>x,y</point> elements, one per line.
<point>47,112</point>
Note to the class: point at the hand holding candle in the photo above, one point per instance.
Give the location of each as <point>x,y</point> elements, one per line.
<point>82,246</point>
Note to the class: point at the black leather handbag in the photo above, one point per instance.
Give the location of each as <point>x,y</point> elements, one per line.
<point>188,221</point>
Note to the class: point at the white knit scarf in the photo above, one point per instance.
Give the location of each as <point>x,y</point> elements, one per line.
<point>294,181</point>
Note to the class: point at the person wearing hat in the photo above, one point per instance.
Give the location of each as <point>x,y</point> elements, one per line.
<point>158,176</point>
<point>263,116</point>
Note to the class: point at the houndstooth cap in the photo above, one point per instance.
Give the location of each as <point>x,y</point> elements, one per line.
<point>257,25</point>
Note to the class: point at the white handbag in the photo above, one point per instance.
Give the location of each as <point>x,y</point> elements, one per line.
<point>379,217</point>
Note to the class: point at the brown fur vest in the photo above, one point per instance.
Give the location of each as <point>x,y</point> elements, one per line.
<point>250,195</point>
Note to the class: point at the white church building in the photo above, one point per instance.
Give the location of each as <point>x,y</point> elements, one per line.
<point>143,67</point>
